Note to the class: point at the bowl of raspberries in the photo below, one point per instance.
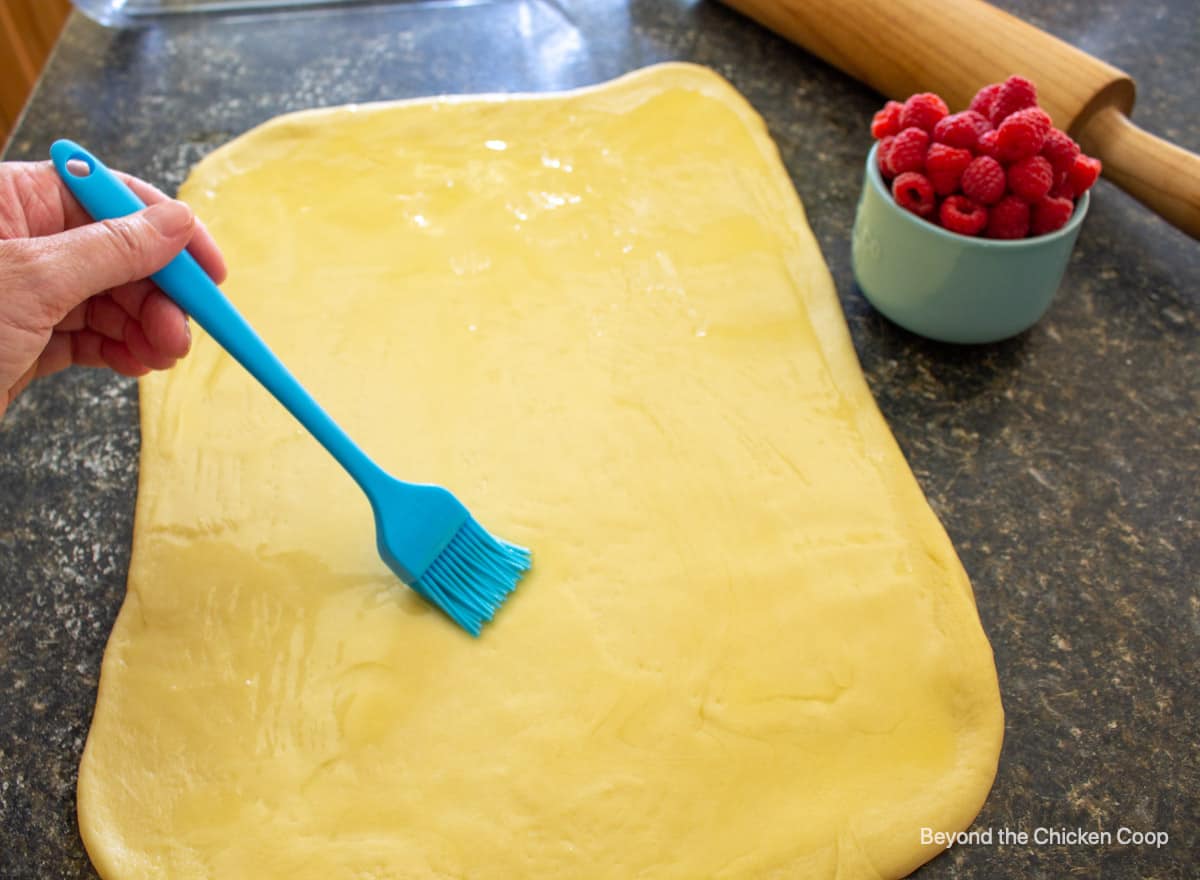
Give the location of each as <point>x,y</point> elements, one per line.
<point>967,220</point>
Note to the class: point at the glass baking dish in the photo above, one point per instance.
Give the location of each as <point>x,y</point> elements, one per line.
<point>126,12</point>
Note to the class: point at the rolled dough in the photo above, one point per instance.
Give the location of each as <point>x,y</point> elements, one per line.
<point>746,649</point>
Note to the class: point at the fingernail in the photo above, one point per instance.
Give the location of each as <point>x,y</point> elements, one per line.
<point>170,218</point>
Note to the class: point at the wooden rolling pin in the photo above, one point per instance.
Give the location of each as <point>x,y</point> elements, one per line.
<point>891,46</point>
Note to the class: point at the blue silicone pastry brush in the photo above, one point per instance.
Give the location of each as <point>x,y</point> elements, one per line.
<point>424,534</point>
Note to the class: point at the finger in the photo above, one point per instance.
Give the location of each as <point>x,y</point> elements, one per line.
<point>165,326</point>
<point>117,357</point>
<point>143,351</point>
<point>65,269</point>
<point>163,322</point>
<point>147,192</point>
<point>203,247</point>
<point>85,349</point>
<point>106,317</point>
<point>131,296</point>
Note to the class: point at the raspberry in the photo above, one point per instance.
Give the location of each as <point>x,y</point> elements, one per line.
<point>1062,189</point>
<point>983,180</point>
<point>961,129</point>
<point>982,102</point>
<point>1009,218</point>
<point>1050,214</point>
<point>887,120</point>
<point>882,154</point>
<point>1083,173</point>
<point>907,152</point>
<point>1017,93</point>
<point>960,214</point>
<point>914,192</point>
<point>1031,178</point>
<point>1023,133</point>
<point>1060,149</point>
<point>944,166</point>
<point>923,111</point>
<point>986,145</point>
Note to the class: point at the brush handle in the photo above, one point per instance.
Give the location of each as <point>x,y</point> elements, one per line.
<point>104,196</point>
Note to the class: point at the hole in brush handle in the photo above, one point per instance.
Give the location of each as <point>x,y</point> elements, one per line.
<point>79,166</point>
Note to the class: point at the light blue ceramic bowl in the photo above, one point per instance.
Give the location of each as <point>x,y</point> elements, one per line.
<point>951,287</point>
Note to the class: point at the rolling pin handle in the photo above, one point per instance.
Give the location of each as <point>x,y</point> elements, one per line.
<point>1163,177</point>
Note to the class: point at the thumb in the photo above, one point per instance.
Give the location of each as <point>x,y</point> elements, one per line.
<point>86,260</point>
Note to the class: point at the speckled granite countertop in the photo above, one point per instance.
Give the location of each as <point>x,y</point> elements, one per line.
<point>1065,463</point>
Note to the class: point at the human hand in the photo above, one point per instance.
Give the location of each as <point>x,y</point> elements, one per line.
<point>73,291</point>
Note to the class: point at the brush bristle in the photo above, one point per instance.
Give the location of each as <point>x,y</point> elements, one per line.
<point>470,579</point>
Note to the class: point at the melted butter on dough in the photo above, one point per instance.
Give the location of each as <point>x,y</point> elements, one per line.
<point>747,648</point>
